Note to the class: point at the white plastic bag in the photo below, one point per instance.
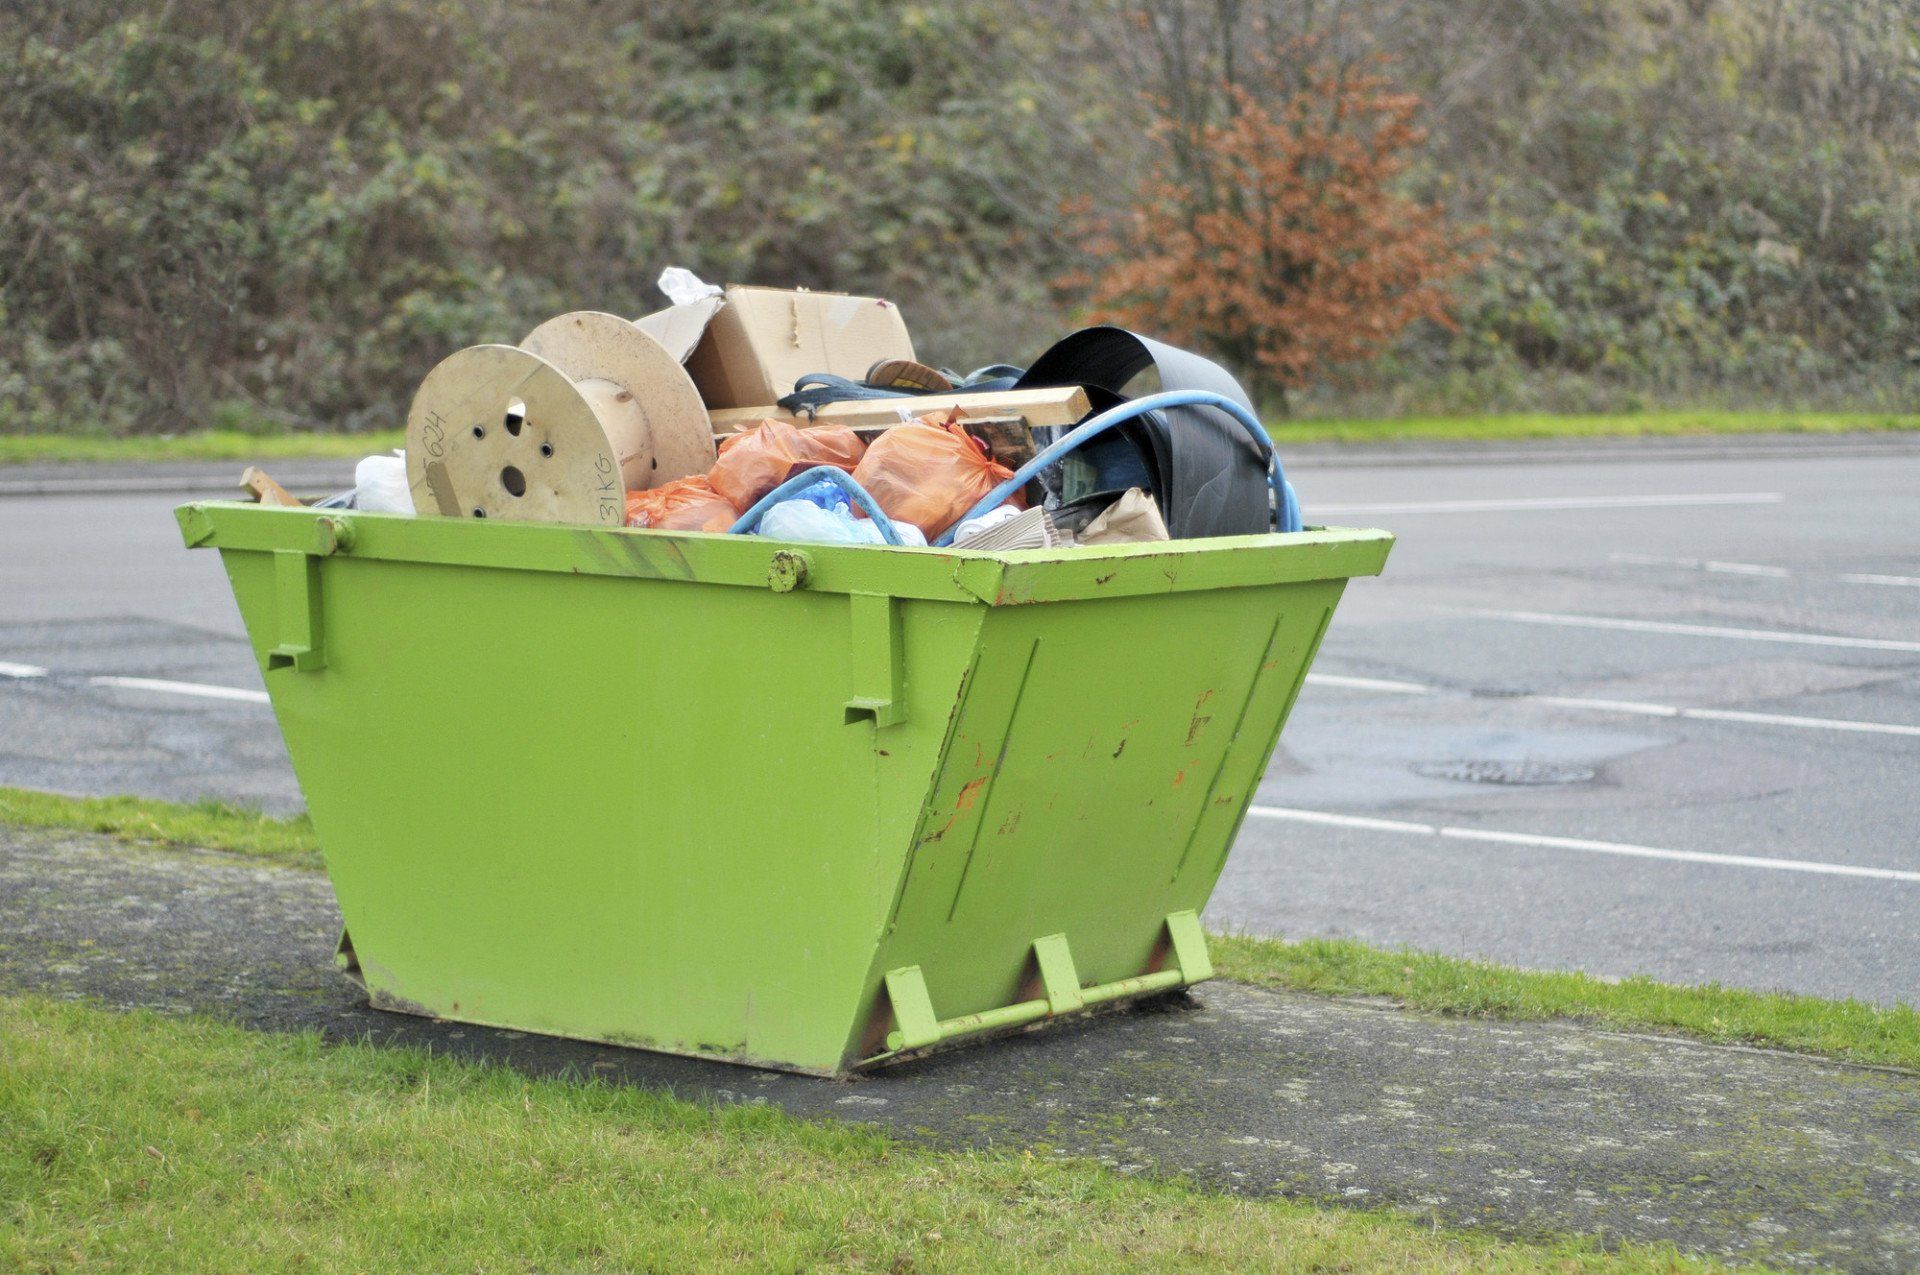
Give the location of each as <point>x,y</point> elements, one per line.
<point>684,287</point>
<point>807,523</point>
<point>380,485</point>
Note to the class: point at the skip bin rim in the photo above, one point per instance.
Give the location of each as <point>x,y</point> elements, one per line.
<point>1006,578</point>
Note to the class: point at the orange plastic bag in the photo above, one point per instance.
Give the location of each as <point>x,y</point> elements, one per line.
<point>929,472</point>
<point>753,463</point>
<point>685,504</point>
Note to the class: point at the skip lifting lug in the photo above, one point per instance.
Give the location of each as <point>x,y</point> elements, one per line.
<point>299,615</point>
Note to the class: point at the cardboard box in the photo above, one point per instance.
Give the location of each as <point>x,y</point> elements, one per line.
<point>752,348</point>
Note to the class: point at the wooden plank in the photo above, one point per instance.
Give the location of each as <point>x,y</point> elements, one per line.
<point>1009,439</point>
<point>266,491</point>
<point>1052,405</point>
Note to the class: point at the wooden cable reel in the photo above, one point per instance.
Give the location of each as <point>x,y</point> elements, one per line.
<point>556,429</point>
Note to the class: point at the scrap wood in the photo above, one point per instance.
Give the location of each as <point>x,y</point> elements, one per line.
<point>254,482</point>
<point>1048,405</point>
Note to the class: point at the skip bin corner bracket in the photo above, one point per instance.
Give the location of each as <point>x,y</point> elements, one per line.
<point>1180,961</point>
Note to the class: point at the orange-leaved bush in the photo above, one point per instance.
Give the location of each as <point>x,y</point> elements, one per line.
<point>1276,239</point>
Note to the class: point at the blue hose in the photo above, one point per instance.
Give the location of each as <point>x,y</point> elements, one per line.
<point>750,520</point>
<point>1286,504</point>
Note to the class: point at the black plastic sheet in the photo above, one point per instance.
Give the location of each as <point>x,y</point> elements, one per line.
<point>1209,477</point>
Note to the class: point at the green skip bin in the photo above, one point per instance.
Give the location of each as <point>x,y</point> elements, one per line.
<point>801,806</point>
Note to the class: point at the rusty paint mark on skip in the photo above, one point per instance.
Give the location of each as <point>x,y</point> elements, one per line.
<point>969,793</point>
<point>1199,722</point>
<point>1012,823</point>
<point>1180,777</point>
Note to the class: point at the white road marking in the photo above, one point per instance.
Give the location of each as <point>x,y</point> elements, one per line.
<point>1729,715</point>
<point>1700,564</point>
<point>1342,821</point>
<point>1637,708</point>
<point>1580,844</point>
<point>1525,503</point>
<point>21,670</point>
<point>1812,723</point>
<point>1747,569</point>
<point>1756,569</point>
<point>201,689</point>
<point>1369,684</point>
<point>1694,630</point>
<point>1861,577</point>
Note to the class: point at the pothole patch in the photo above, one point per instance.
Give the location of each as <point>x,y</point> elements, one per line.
<point>1525,774</point>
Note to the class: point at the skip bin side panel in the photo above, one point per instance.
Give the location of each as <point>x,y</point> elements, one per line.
<point>620,809</point>
<point>1102,756</point>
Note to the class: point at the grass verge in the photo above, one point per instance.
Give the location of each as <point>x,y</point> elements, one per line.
<point>151,1143</point>
<point>218,444</point>
<point>1845,1029</point>
<point>1618,425</point>
<point>206,825</point>
<point>238,446</point>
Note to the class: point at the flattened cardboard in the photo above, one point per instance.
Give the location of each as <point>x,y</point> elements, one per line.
<point>762,340</point>
<point>679,328</point>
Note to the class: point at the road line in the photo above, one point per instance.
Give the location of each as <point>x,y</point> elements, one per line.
<point>1757,569</point>
<point>1862,577</point>
<point>201,689</point>
<point>1369,684</point>
<point>1342,821</point>
<point>1746,569</point>
<point>1541,841</point>
<point>1525,503</point>
<point>1694,630</point>
<point>21,670</point>
<point>1728,715</point>
<point>1636,708</point>
<point>1699,564</point>
<point>1810,723</point>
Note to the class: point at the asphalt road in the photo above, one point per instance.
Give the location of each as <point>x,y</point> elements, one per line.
<point>1648,709</point>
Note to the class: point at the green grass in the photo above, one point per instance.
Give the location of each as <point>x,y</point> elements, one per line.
<point>1846,1029</point>
<point>237,445</point>
<point>209,825</point>
<point>1543,425</point>
<point>147,1143</point>
<point>1849,1030</point>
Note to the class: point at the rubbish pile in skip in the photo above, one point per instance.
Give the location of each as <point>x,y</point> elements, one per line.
<point>806,416</point>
